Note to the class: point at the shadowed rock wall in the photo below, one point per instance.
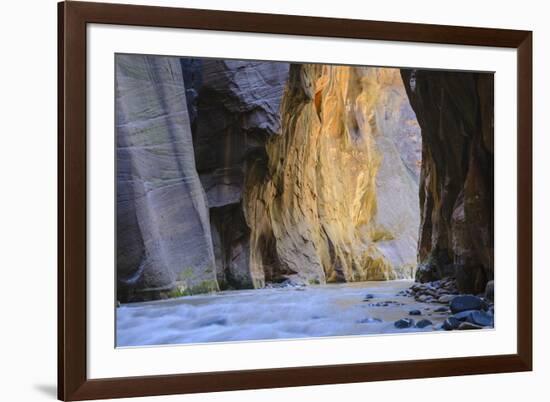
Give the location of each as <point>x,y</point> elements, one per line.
<point>455,113</point>
<point>163,231</point>
<point>235,107</point>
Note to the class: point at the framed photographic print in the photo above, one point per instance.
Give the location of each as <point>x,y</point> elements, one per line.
<point>253,200</point>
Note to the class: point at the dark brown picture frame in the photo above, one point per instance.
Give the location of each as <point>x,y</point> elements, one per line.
<point>73,383</point>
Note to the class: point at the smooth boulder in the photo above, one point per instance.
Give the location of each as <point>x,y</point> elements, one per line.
<point>451,323</point>
<point>468,325</point>
<point>423,324</point>
<point>466,302</point>
<point>480,318</point>
<point>404,323</point>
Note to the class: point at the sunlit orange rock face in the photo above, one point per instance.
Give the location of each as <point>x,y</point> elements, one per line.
<point>337,200</point>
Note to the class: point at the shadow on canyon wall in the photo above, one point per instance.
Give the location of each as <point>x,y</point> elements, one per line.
<point>241,174</point>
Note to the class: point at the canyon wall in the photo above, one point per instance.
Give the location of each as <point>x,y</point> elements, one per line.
<point>337,202</point>
<point>237,174</point>
<point>455,113</point>
<point>163,231</point>
<point>235,107</point>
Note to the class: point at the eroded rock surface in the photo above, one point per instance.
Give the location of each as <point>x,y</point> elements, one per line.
<point>336,201</point>
<point>455,113</point>
<point>163,231</point>
<point>235,107</point>
<point>238,174</point>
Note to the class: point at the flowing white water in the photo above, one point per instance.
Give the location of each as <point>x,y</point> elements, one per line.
<point>280,313</point>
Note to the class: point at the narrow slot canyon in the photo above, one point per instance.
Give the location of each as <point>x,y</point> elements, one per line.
<point>337,183</point>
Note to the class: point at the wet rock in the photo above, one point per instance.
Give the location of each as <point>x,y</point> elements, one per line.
<point>446,298</point>
<point>490,290</point>
<point>415,312</point>
<point>404,323</point>
<point>425,273</point>
<point>476,317</point>
<point>482,318</point>
<point>467,302</point>
<point>423,323</point>
<point>450,324</point>
<point>423,298</point>
<point>464,315</point>
<point>441,310</point>
<point>432,292</point>
<point>468,325</point>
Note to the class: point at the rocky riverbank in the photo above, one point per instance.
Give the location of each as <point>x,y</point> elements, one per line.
<point>463,311</point>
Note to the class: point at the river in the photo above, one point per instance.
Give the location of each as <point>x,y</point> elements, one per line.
<point>272,313</point>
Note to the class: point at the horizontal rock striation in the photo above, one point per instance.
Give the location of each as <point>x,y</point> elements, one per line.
<point>455,113</point>
<point>164,243</point>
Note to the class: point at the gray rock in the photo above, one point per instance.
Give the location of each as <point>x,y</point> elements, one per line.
<point>423,323</point>
<point>451,323</point>
<point>490,290</point>
<point>163,229</point>
<point>464,315</point>
<point>466,302</point>
<point>481,318</point>
<point>404,323</point>
<point>423,298</point>
<point>446,298</point>
<point>415,312</point>
<point>425,273</point>
<point>468,325</point>
<point>441,310</point>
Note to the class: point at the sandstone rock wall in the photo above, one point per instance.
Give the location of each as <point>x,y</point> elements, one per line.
<point>455,112</point>
<point>163,231</point>
<point>236,108</point>
<point>235,174</point>
<point>337,202</point>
